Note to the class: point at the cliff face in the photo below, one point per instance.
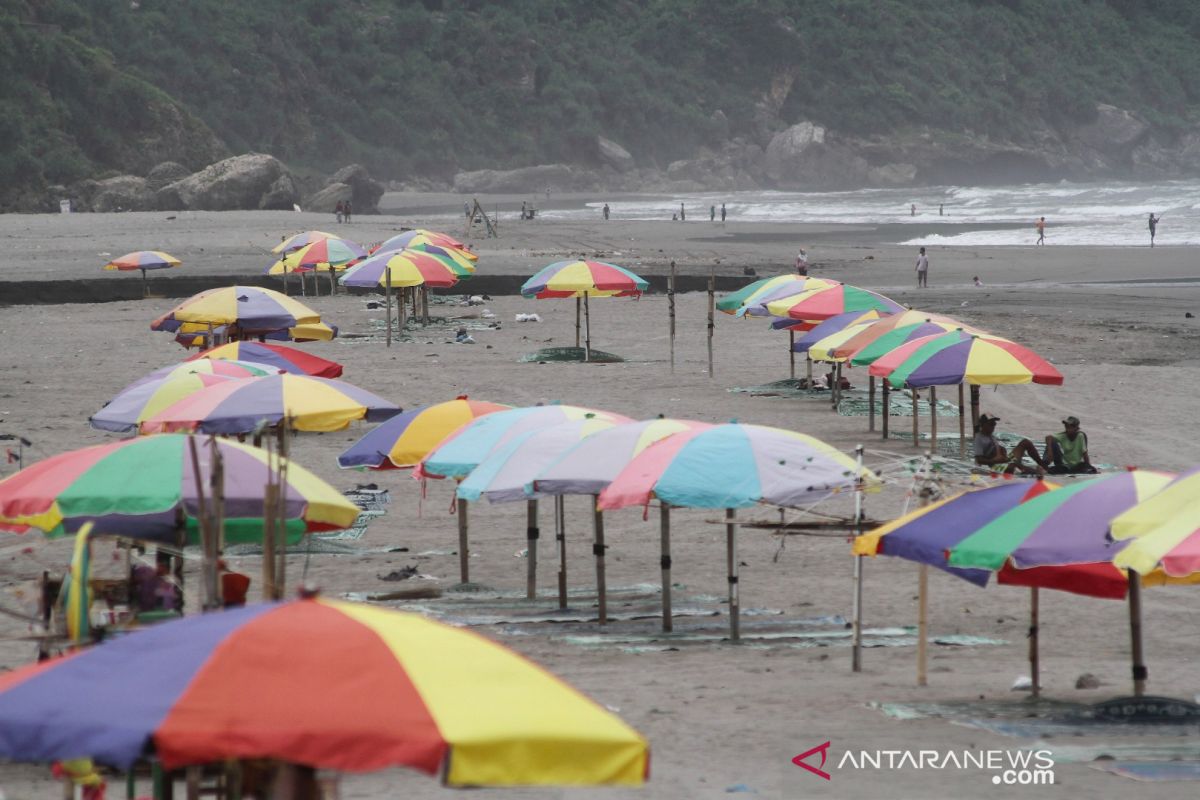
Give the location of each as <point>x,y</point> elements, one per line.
<point>771,93</point>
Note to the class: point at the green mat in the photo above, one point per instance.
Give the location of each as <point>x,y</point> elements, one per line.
<point>547,354</point>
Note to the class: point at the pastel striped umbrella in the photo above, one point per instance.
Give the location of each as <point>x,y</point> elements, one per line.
<point>299,240</point>
<point>194,334</point>
<point>960,356</point>
<point>364,688</point>
<point>322,255</point>
<point>828,327</point>
<point>748,299</point>
<point>591,465</point>
<point>280,357</point>
<point>402,441</point>
<point>244,406</point>
<point>224,369</point>
<point>462,259</point>
<point>251,309</point>
<point>735,466</point>
<point>141,401</point>
<point>465,449</point>
<point>1163,531</point>
<point>829,301</point>
<point>143,260</point>
<point>141,488</point>
<point>423,236</point>
<point>583,279</point>
<point>405,268</point>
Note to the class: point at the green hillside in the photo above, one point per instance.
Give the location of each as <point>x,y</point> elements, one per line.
<point>427,88</point>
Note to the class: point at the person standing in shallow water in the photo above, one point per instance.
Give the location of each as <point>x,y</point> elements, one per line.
<point>1041,229</point>
<point>1153,227</point>
<point>712,213</point>
<point>606,212</point>
<point>922,270</point>
<point>682,213</point>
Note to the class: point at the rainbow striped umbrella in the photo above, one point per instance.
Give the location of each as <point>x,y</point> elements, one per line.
<point>193,334</point>
<point>422,236</point>
<point>143,260</point>
<point>277,356</point>
<point>251,309</point>
<point>224,369</point>
<point>828,327</point>
<point>243,406</point>
<point>364,688</point>
<point>583,279</point>
<point>141,401</point>
<point>407,268</point>
<point>749,299</point>
<point>402,441</point>
<point>461,259</point>
<point>296,241</point>
<point>1163,530</point>
<point>139,487</point>
<point>960,356</point>
<point>331,253</point>
<point>829,301</point>
<point>862,345</point>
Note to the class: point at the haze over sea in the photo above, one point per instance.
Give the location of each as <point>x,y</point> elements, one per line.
<point>1112,214</point>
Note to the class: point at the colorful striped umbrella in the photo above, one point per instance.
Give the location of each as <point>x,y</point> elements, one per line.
<point>423,236</point>
<point>141,401</point>
<point>407,268</point>
<point>960,356</point>
<point>462,259</point>
<point>296,241</point>
<point>583,279</point>
<point>1163,531</point>
<point>749,298</point>
<point>829,301</point>
<point>138,488</point>
<point>364,688</point>
<point>308,404</point>
<point>193,334</point>
<point>828,327</point>
<point>278,356</point>
<point>322,255</point>
<point>402,441</point>
<point>225,369</point>
<point>251,309</point>
<point>143,260</point>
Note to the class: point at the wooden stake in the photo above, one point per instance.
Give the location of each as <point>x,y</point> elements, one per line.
<point>282,547</point>
<point>1140,673</point>
<point>216,541</point>
<point>270,503</point>
<point>885,411</point>
<point>670,311</point>
<point>732,559</point>
<point>974,406</point>
<point>922,625</point>
<point>464,553</point>
<point>962,424</point>
<point>712,305</point>
<point>916,418</point>
<point>587,329</point>
<point>598,549</point>
<point>332,282</point>
<point>791,354</point>
<point>871,403</point>
<point>933,443</point>
<point>424,305</point>
<point>202,516</point>
<point>387,293</point>
<point>145,285</point>
<point>808,373</point>
<point>531,537</point>
<point>578,312</point>
<point>1034,672</point>
<point>664,512</point>
<point>835,391</point>
<point>857,610</point>
<point>560,541</point>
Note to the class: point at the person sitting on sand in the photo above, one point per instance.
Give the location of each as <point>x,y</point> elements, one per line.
<point>1067,451</point>
<point>990,453</point>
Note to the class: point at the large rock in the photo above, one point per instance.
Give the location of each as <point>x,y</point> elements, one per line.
<point>241,182</point>
<point>557,177</point>
<point>281,196</point>
<point>365,192</point>
<point>327,199</point>
<point>166,173</point>
<point>614,155</point>
<point>1114,132</point>
<point>801,158</point>
<point>122,193</point>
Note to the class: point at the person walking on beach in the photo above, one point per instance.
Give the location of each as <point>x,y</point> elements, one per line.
<point>722,212</point>
<point>712,213</point>
<point>346,209</point>
<point>1153,227</point>
<point>802,262</point>
<point>1041,229</point>
<point>606,212</point>
<point>682,213</point>
<point>339,210</point>
<point>922,270</point>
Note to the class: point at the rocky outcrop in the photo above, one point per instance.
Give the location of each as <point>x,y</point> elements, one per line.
<point>122,193</point>
<point>327,198</point>
<point>166,173</point>
<point>364,191</point>
<point>1114,132</point>
<point>804,157</point>
<point>614,155</point>
<point>241,182</point>
<point>557,177</point>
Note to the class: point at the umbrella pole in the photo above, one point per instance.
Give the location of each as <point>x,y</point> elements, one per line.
<point>401,310</point>
<point>916,419</point>
<point>281,558</point>
<point>664,512</point>
<point>332,282</point>
<point>974,406</point>
<point>578,311</point>
<point>145,285</point>
<point>1140,673</point>
<point>791,354</point>
<point>871,403</point>
<point>922,625</point>
<point>671,310</point>
<point>303,285</point>
<point>885,410</point>
<point>962,424</point>
<point>560,541</point>
<point>531,537</point>
<point>712,304</point>
<point>731,557</point>
<point>424,305</point>
<point>808,372</point>
<point>1033,642</point>
<point>270,502</point>
<point>464,553</point>
<point>856,639</point>
<point>598,548</point>
<point>835,390</point>
<point>587,329</point>
<point>933,418</point>
<point>387,293</point>
<point>217,537</point>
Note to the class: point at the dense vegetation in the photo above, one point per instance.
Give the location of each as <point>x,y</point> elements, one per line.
<point>424,88</point>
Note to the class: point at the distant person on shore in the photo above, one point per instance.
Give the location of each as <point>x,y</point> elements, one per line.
<point>1067,451</point>
<point>1041,229</point>
<point>339,210</point>
<point>913,210</point>
<point>467,210</point>
<point>1153,227</point>
<point>941,209</point>
<point>722,212</point>
<point>989,452</point>
<point>682,213</point>
<point>606,212</point>
<point>712,213</point>
<point>977,281</point>
<point>802,262</point>
<point>346,209</point>
<point>922,270</point>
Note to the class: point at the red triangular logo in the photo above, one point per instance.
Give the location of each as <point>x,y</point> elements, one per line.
<point>823,750</point>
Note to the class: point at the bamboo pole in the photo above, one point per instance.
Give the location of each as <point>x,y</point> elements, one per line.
<point>670,311</point>
<point>578,311</point>
<point>871,403</point>
<point>145,285</point>
<point>857,611</point>
<point>791,354</point>
<point>664,512</point>
<point>464,553</point>
<point>732,559</point>
<point>216,541</point>
<point>712,304</point>
<point>332,282</point>
<point>560,542</point>
<point>531,537</point>
<point>808,373</point>
<point>885,411</point>
<point>835,391</point>
<point>387,293</point>
<point>974,406</point>
<point>424,305</point>
<point>916,418</point>
<point>1034,672</point>
<point>962,424</point>
<point>1140,674</point>
<point>923,625</point>
<point>202,516</point>
<point>281,558</point>
<point>598,549</point>
<point>401,310</point>
<point>933,418</point>
<point>270,503</point>
<point>587,329</point>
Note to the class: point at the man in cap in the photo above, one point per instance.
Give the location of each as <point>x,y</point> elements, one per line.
<point>990,453</point>
<point>1067,451</point>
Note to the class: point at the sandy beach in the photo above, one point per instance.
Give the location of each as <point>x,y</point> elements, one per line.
<point>722,719</point>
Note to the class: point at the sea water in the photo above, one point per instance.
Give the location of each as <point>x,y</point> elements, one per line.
<point>1109,214</point>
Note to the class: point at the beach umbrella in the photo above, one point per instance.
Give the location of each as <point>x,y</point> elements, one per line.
<point>395,689</point>
<point>280,357</point>
<point>748,299</point>
<point>829,301</point>
<point>423,236</point>
<point>402,269</point>
<point>583,279</point>
<point>734,466</point>
<point>330,253</point>
<point>244,406</point>
<point>402,441</point>
<point>299,240</point>
<point>462,259</point>
<point>245,310</point>
<point>143,260</point>
<point>146,488</point>
<point>142,400</point>
<point>814,332</point>
<point>225,369</point>
<point>589,466</point>
<point>463,450</point>
<point>194,334</point>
